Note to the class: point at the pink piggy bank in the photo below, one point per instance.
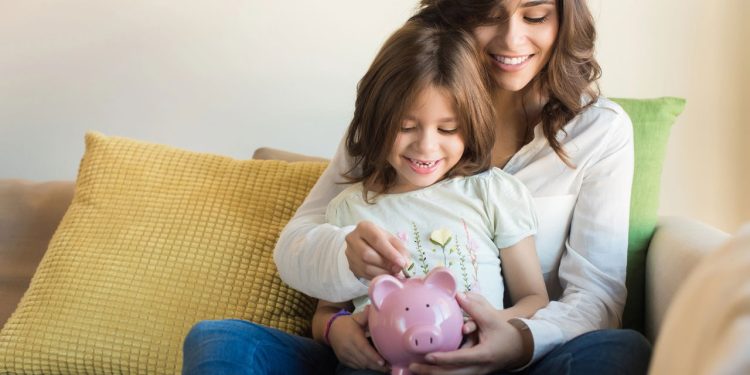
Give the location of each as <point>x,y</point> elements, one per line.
<point>410,318</point>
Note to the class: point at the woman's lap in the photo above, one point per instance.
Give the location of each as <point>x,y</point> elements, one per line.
<point>240,347</point>
<point>608,351</point>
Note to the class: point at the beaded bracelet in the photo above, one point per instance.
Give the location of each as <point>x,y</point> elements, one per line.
<point>340,313</point>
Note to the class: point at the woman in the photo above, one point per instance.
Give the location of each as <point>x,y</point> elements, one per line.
<point>572,149</point>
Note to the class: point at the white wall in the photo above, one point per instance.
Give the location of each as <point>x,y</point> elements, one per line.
<point>222,76</point>
<point>698,50</point>
<point>229,76</point>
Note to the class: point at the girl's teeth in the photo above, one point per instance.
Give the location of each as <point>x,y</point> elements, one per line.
<point>424,164</point>
<point>511,60</point>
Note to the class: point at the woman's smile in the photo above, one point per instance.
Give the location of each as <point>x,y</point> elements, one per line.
<point>511,63</point>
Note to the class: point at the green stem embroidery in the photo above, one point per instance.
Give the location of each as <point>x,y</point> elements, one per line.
<point>464,273</point>
<point>422,258</point>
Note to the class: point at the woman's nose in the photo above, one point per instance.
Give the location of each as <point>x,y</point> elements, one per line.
<point>512,33</point>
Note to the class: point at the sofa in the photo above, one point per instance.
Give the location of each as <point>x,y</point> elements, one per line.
<point>30,213</point>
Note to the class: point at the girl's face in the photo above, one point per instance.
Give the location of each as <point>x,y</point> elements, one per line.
<point>429,142</point>
<point>518,48</point>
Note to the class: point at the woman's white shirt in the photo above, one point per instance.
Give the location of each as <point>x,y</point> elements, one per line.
<point>581,240</point>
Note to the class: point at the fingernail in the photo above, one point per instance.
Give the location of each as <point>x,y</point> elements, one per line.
<point>381,363</point>
<point>461,296</point>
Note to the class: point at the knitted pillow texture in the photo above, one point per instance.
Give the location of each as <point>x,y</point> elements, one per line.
<point>155,240</point>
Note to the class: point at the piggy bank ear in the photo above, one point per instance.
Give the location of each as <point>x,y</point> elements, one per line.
<point>381,287</point>
<point>442,278</point>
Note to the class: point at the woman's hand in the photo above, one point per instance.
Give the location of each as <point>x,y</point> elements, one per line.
<point>372,251</point>
<point>493,344</point>
<point>347,338</point>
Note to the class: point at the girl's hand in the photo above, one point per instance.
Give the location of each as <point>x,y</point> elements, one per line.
<point>496,346</point>
<point>372,251</point>
<point>347,338</point>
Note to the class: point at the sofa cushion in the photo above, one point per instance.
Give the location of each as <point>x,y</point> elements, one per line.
<point>155,240</point>
<point>652,121</point>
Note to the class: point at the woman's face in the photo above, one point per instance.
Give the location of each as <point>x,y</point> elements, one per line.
<point>518,48</point>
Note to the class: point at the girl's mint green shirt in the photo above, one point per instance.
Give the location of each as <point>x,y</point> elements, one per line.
<point>460,223</point>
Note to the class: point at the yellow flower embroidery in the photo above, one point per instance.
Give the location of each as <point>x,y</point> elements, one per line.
<point>441,237</point>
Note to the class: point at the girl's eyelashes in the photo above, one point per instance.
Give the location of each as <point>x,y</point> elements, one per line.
<point>407,128</point>
<point>449,131</point>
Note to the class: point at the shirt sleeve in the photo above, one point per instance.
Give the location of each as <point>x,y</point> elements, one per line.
<point>310,254</point>
<point>593,264</point>
<point>511,209</point>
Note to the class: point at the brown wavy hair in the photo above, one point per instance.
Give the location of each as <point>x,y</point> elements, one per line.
<point>568,79</point>
<point>415,57</point>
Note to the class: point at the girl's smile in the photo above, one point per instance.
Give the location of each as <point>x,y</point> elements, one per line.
<point>428,144</point>
<point>422,166</point>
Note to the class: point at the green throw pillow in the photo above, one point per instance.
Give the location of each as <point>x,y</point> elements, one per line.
<point>652,121</point>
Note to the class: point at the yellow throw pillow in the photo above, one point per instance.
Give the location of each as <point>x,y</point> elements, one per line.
<point>156,239</point>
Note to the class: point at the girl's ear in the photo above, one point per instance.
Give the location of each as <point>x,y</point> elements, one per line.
<point>381,287</point>
<point>442,278</point>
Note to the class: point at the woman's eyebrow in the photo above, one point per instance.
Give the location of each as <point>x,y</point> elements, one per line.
<point>533,3</point>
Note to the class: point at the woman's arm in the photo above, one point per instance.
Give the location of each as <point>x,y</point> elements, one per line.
<point>310,253</point>
<point>593,263</point>
<point>324,260</point>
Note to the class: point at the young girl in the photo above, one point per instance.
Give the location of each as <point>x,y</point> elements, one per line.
<point>420,142</point>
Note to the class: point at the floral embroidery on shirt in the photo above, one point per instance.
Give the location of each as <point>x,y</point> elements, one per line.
<point>441,237</point>
<point>454,253</point>
<point>421,256</point>
<point>472,247</point>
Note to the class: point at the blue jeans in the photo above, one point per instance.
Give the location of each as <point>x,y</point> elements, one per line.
<point>239,347</point>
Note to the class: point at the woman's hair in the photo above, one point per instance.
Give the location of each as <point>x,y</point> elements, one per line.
<point>415,57</point>
<point>570,75</point>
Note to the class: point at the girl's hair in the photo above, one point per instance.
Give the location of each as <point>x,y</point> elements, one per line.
<point>415,57</point>
<point>570,75</point>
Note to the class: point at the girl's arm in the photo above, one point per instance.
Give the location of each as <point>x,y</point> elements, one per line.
<point>523,276</point>
<point>346,336</point>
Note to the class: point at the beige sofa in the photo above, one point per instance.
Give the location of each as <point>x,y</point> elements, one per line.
<point>30,212</point>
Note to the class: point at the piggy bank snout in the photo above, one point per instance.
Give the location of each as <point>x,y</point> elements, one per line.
<point>423,339</point>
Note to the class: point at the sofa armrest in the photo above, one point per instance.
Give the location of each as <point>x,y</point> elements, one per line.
<point>677,246</point>
<point>29,214</point>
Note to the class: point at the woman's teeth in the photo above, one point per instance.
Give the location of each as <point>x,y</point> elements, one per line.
<point>511,60</point>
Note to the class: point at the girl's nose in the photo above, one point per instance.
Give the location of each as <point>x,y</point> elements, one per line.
<point>427,141</point>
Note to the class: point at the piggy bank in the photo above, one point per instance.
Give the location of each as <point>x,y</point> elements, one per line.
<point>413,317</point>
